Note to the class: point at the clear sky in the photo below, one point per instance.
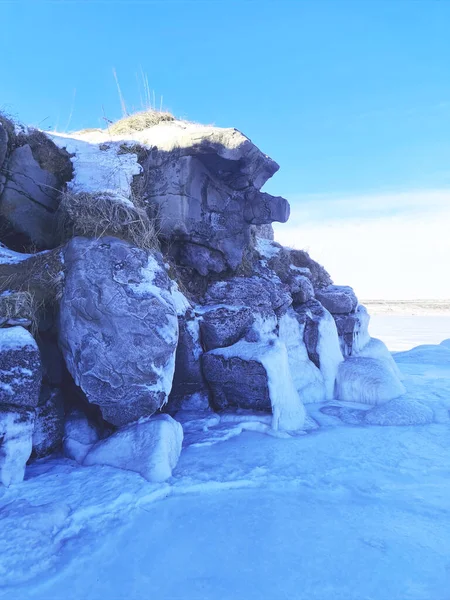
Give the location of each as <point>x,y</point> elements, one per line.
<point>351,98</point>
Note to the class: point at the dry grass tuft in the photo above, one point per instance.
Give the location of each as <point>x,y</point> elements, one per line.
<point>29,288</point>
<point>139,121</point>
<point>100,214</point>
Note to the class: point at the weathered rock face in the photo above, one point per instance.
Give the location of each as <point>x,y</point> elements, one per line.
<point>16,431</point>
<point>3,145</point>
<point>206,184</point>
<point>20,368</point>
<point>237,382</point>
<point>119,335</point>
<point>224,326</point>
<point>338,299</point>
<point>150,447</point>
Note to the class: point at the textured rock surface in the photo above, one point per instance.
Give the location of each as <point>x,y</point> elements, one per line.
<point>20,368</point>
<point>149,446</point>
<point>206,183</point>
<point>338,299</point>
<point>237,382</point>
<point>3,145</point>
<point>224,326</point>
<point>119,336</point>
<point>49,423</point>
<point>16,431</point>
<point>30,197</point>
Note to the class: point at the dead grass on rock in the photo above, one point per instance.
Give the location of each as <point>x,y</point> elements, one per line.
<point>101,214</point>
<point>139,121</point>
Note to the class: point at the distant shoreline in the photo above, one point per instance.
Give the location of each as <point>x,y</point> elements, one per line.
<point>408,307</point>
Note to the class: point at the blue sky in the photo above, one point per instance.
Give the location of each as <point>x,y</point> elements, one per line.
<point>352,98</point>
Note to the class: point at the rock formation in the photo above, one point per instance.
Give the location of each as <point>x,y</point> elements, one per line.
<point>213,316</point>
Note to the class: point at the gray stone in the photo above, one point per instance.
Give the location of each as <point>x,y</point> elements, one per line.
<point>338,299</point>
<point>30,197</point>
<point>49,424</point>
<point>16,431</point>
<point>264,231</point>
<point>236,382</point>
<point>301,288</point>
<point>118,327</point>
<point>262,295</point>
<point>224,326</point>
<point>205,183</point>
<point>20,368</point>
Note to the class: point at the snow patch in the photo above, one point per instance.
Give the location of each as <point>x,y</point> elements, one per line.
<point>16,338</point>
<point>329,351</point>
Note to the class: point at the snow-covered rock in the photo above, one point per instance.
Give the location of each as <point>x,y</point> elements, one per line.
<point>337,299</point>
<point>16,431</point>
<point>20,368</point>
<point>225,325</point>
<point>80,435</point>
<point>307,378</point>
<point>119,335</point>
<point>256,375</point>
<point>353,330</point>
<point>189,385</point>
<point>206,183</point>
<point>367,380</point>
<point>49,422</point>
<point>321,340</point>
<point>150,446</point>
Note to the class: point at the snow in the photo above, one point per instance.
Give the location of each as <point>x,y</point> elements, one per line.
<point>150,446</point>
<point>329,350</point>
<point>16,431</point>
<point>99,167</point>
<point>9,257</point>
<point>308,380</point>
<point>267,248</point>
<point>346,512</point>
<point>16,338</point>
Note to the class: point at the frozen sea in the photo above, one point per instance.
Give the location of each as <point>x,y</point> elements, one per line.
<point>343,512</point>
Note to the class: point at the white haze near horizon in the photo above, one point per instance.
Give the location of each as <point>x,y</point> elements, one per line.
<point>392,246</point>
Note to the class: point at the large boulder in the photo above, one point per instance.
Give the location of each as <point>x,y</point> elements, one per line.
<point>118,327</point>
<point>16,431</point>
<point>205,183</point>
<point>151,447</point>
<point>20,368</point>
<point>337,299</point>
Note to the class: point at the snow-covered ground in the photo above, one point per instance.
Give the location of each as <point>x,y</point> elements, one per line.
<point>342,512</point>
<point>403,331</point>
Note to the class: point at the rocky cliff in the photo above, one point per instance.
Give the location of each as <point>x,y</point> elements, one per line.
<point>138,275</point>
